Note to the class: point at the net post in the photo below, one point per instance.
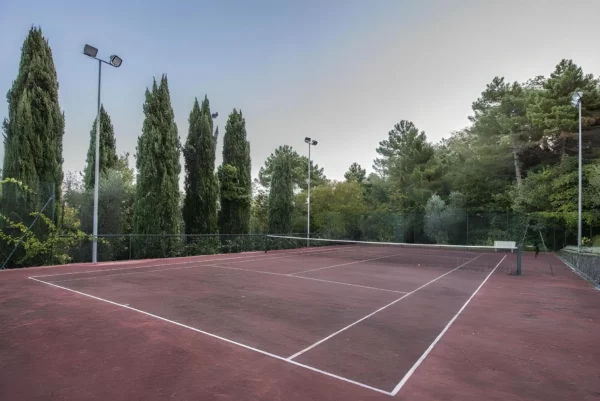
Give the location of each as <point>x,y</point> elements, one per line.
<point>519,260</point>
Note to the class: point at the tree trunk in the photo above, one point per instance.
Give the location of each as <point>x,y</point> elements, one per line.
<point>517,168</point>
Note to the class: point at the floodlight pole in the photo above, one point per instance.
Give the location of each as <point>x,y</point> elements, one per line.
<point>97,172</point>
<point>308,202</point>
<point>579,226</point>
<point>115,61</point>
<point>310,142</point>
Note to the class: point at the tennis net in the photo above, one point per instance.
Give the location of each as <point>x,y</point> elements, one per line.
<point>391,253</point>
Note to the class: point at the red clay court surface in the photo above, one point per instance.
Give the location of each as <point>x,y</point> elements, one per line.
<point>311,324</point>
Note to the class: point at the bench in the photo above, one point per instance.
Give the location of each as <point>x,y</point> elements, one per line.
<point>512,245</point>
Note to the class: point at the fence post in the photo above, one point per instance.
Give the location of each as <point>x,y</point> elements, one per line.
<point>467,228</point>
<point>130,235</point>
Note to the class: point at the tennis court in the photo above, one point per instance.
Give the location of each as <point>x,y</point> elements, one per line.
<point>337,320</point>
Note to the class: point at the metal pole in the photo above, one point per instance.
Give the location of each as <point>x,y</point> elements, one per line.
<point>97,172</point>
<point>308,202</point>
<point>580,170</point>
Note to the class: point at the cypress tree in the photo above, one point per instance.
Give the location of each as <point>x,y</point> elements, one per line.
<point>33,131</point>
<point>108,150</point>
<point>156,208</point>
<point>200,202</point>
<point>235,178</point>
<point>281,196</point>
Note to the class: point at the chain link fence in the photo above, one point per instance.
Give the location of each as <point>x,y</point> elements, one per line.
<point>586,262</point>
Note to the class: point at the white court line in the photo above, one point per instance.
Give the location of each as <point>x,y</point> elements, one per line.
<point>342,283</point>
<point>306,278</point>
<point>378,310</point>
<point>228,268</point>
<point>220,338</point>
<point>345,264</point>
<point>248,258</point>
<point>422,358</point>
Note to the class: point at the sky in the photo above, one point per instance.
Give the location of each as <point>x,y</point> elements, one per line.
<point>340,71</point>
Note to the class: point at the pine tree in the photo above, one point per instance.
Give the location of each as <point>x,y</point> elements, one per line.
<point>156,209</point>
<point>281,197</point>
<point>200,202</point>
<point>108,150</point>
<point>33,131</point>
<point>235,178</point>
<point>356,173</point>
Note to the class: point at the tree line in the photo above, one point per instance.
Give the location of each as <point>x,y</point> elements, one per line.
<point>517,157</point>
<point>514,165</point>
<point>149,203</point>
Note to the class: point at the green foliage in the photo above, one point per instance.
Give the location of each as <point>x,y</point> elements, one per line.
<point>234,178</point>
<point>337,209</point>
<point>356,173</point>
<point>435,220</point>
<point>594,180</point>
<point>408,161</point>
<point>39,246</point>
<point>200,200</point>
<point>550,108</point>
<point>281,196</point>
<point>299,169</point>
<point>445,223</point>
<point>34,129</point>
<point>108,149</point>
<point>259,220</point>
<point>156,209</point>
<point>51,248</point>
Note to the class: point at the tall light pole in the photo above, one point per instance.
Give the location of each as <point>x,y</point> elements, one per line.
<point>115,61</point>
<point>576,102</point>
<point>313,143</point>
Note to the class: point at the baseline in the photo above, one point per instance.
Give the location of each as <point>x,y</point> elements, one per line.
<point>220,338</point>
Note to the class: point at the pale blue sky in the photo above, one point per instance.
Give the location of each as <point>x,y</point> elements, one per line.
<point>340,71</point>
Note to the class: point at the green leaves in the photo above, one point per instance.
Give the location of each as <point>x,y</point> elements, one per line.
<point>201,192</point>
<point>108,149</point>
<point>281,196</point>
<point>550,108</point>
<point>234,178</point>
<point>355,173</point>
<point>299,169</point>
<point>34,128</point>
<point>156,209</point>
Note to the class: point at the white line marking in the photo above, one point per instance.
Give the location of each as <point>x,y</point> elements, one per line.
<point>342,283</point>
<point>227,268</point>
<point>345,264</point>
<point>220,338</point>
<point>305,278</point>
<point>248,258</point>
<point>378,310</point>
<point>428,350</point>
<point>137,267</point>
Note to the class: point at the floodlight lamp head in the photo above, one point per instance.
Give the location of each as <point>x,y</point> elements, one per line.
<point>576,98</point>
<point>90,51</point>
<point>214,115</point>
<point>307,140</point>
<point>314,143</point>
<point>115,61</point>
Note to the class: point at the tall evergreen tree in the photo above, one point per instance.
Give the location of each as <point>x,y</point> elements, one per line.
<point>200,202</point>
<point>299,169</point>
<point>108,150</point>
<point>234,178</point>
<point>156,209</point>
<point>281,197</point>
<point>355,173</point>
<point>34,129</point>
